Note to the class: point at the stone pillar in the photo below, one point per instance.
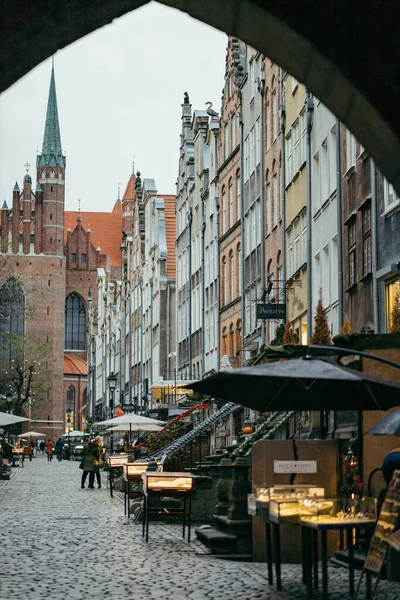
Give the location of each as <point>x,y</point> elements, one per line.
<point>224,486</point>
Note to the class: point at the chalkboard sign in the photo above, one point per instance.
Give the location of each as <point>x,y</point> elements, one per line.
<point>385,526</point>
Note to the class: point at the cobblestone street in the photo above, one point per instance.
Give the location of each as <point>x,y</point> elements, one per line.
<point>63,542</point>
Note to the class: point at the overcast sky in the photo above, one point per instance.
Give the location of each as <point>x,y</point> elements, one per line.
<point>119,94</point>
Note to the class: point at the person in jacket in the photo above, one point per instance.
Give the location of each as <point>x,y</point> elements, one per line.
<point>49,449</point>
<point>58,450</point>
<point>90,463</point>
<point>99,440</point>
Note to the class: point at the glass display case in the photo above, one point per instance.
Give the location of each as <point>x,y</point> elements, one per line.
<point>117,460</point>
<point>282,501</point>
<point>134,470</point>
<point>169,482</point>
<point>251,504</point>
<point>333,511</point>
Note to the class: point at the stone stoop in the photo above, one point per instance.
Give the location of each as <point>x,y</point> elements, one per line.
<point>217,541</point>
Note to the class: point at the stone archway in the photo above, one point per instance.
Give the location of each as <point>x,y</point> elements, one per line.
<point>348,55</point>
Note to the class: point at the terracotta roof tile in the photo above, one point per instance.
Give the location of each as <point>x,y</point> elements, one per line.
<point>105,229</point>
<point>170,228</point>
<point>130,192</point>
<point>74,365</point>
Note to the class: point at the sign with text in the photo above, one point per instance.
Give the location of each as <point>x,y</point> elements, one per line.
<point>386,525</point>
<point>271,311</point>
<point>295,466</point>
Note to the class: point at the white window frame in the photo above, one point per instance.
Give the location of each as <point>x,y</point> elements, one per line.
<point>296,147</point>
<point>303,122</point>
<point>275,200</point>
<point>252,150</point>
<point>390,197</point>
<point>350,150</point>
<point>258,141</point>
<point>231,215</point>
<point>289,171</point>
<point>251,78</point>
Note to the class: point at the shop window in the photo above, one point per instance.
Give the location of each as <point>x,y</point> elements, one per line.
<point>392,291</point>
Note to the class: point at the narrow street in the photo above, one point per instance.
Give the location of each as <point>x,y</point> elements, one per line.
<point>63,542</point>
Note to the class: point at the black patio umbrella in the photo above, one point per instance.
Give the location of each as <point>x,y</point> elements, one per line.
<point>300,384</point>
<point>389,425</point>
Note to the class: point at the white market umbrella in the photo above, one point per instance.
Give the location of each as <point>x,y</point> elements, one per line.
<point>7,419</point>
<point>131,419</point>
<point>130,427</point>
<point>75,433</point>
<point>32,434</point>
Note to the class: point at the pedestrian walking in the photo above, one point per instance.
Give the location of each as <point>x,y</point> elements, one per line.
<point>90,463</point>
<point>42,446</point>
<point>58,449</point>
<point>49,449</point>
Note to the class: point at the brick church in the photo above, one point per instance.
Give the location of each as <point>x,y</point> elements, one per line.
<point>49,260</point>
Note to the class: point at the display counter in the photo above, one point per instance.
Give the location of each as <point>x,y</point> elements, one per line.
<point>172,485</point>
<point>132,472</point>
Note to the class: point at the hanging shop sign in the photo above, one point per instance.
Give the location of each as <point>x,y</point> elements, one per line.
<point>271,311</point>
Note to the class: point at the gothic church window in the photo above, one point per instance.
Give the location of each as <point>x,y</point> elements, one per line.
<point>83,258</point>
<point>75,323</point>
<point>12,321</point>
<point>70,404</point>
<point>73,257</point>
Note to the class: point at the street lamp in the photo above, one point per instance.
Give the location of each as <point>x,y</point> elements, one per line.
<point>112,382</point>
<point>69,428</point>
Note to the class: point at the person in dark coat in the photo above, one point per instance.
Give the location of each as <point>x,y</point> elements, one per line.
<point>59,447</point>
<point>90,463</point>
<point>390,464</point>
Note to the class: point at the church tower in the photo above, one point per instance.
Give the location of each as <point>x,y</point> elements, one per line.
<point>50,166</point>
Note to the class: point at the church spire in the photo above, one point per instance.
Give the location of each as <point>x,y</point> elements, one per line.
<point>51,155</point>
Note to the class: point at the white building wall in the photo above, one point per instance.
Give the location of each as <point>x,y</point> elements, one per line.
<point>324,214</point>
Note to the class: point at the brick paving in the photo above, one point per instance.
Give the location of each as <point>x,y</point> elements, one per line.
<point>64,543</point>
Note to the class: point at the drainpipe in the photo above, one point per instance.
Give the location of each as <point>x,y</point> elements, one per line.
<point>190,219</point>
<point>309,110</point>
<point>262,224</point>
<point>140,340</point>
<point>167,334</point>
<point>151,330</point>
<point>203,291</point>
<point>282,185</point>
<point>241,226</point>
<point>339,219</point>
<point>216,262</point>
<point>374,241</point>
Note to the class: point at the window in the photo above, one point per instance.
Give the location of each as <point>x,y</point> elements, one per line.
<point>290,251</point>
<point>73,257</point>
<point>233,132</point>
<point>70,403</point>
<point>258,222</point>
<point>258,141</point>
<point>352,252</point>
<point>367,255</point>
<point>246,159</point>
<point>268,207</point>
<point>268,123</point>
<point>232,275</point>
<point>304,237</point>
<point>224,221</point>
<point>392,294</point>
<point>224,283</point>
<point>297,245</point>
<point>21,238</point>
<point>83,258</point>
<point>350,150</point>
<point>12,321</point>
<point>226,141</point>
<point>251,77</point>
<point>389,195</point>
<point>239,196</point>
<point>247,247</point>
<point>231,215</point>
<point>296,147</point>
<point>32,238</point>
<point>253,228</point>
<point>75,323</point>
<point>275,200</point>
<point>366,215</point>
<point>252,150</point>
<point>324,171</point>
<point>274,115</point>
<point>288,159</point>
<point>303,122</point>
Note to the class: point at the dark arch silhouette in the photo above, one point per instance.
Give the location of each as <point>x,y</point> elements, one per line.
<point>347,53</point>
